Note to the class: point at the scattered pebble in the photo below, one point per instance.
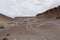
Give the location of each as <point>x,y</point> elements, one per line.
<point>8,34</point>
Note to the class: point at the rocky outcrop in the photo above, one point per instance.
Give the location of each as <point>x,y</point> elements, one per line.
<point>51,13</point>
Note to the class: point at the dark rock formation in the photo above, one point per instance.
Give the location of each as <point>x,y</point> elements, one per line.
<point>51,13</point>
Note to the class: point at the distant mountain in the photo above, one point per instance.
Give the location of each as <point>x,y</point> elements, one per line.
<point>51,13</point>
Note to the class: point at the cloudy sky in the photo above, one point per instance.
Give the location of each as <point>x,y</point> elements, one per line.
<point>13,8</point>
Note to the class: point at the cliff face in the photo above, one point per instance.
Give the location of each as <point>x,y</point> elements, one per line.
<point>51,13</point>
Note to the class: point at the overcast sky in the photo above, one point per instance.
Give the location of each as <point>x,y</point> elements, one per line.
<point>13,8</point>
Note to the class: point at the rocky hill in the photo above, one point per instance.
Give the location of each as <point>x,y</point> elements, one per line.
<point>51,13</point>
<point>5,19</point>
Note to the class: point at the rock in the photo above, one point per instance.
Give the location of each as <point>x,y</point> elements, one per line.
<point>5,38</point>
<point>1,27</point>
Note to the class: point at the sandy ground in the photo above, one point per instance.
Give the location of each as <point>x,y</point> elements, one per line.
<point>33,29</point>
